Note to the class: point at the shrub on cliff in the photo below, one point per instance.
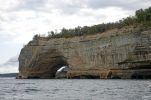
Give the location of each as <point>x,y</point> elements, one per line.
<point>141,17</point>
<point>36,36</point>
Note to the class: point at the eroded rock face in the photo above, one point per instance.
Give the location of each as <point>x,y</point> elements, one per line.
<point>123,53</point>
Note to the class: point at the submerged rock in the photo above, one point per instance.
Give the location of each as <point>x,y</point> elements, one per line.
<point>118,53</point>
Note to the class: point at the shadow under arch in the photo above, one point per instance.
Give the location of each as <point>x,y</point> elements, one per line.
<point>46,64</point>
<point>59,63</point>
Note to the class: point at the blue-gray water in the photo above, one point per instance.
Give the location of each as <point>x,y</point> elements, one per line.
<point>12,89</point>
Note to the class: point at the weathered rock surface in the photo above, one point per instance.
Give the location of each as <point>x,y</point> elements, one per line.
<point>119,53</point>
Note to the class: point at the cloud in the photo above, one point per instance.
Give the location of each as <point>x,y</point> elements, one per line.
<point>12,61</point>
<point>8,5</point>
<point>10,66</point>
<point>66,6</point>
<point>21,19</point>
<point>31,4</point>
<point>125,4</point>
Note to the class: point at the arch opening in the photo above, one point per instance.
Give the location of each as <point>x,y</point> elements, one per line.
<point>59,68</point>
<point>61,72</point>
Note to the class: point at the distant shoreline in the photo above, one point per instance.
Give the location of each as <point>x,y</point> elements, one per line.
<point>8,75</point>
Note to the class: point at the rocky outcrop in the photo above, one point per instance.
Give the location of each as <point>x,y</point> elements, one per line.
<point>62,72</point>
<point>118,53</point>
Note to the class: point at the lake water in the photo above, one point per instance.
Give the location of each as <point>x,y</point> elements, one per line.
<point>75,89</point>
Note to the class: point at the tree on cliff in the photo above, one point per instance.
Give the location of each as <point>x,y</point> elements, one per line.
<point>36,36</point>
<point>142,16</point>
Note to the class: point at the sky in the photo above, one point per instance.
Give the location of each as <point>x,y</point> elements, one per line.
<point>21,19</point>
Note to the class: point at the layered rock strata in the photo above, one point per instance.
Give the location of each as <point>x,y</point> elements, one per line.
<point>119,53</point>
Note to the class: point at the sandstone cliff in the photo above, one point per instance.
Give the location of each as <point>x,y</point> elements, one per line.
<point>118,53</point>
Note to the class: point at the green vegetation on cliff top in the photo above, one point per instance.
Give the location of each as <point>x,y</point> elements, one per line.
<point>141,17</point>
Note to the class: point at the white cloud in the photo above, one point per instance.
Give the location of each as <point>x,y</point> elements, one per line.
<point>8,69</point>
<point>8,5</point>
<point>10,66</point>
<point>125,4</point>
<point>29,17</point>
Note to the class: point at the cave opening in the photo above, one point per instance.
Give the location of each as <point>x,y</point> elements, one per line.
<point>61,72</point>
<point>59,68</point>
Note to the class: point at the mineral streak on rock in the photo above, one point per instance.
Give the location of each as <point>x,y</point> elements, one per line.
<point>119,53</point>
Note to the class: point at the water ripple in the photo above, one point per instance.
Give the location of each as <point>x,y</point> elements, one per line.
<point>75,89</point>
